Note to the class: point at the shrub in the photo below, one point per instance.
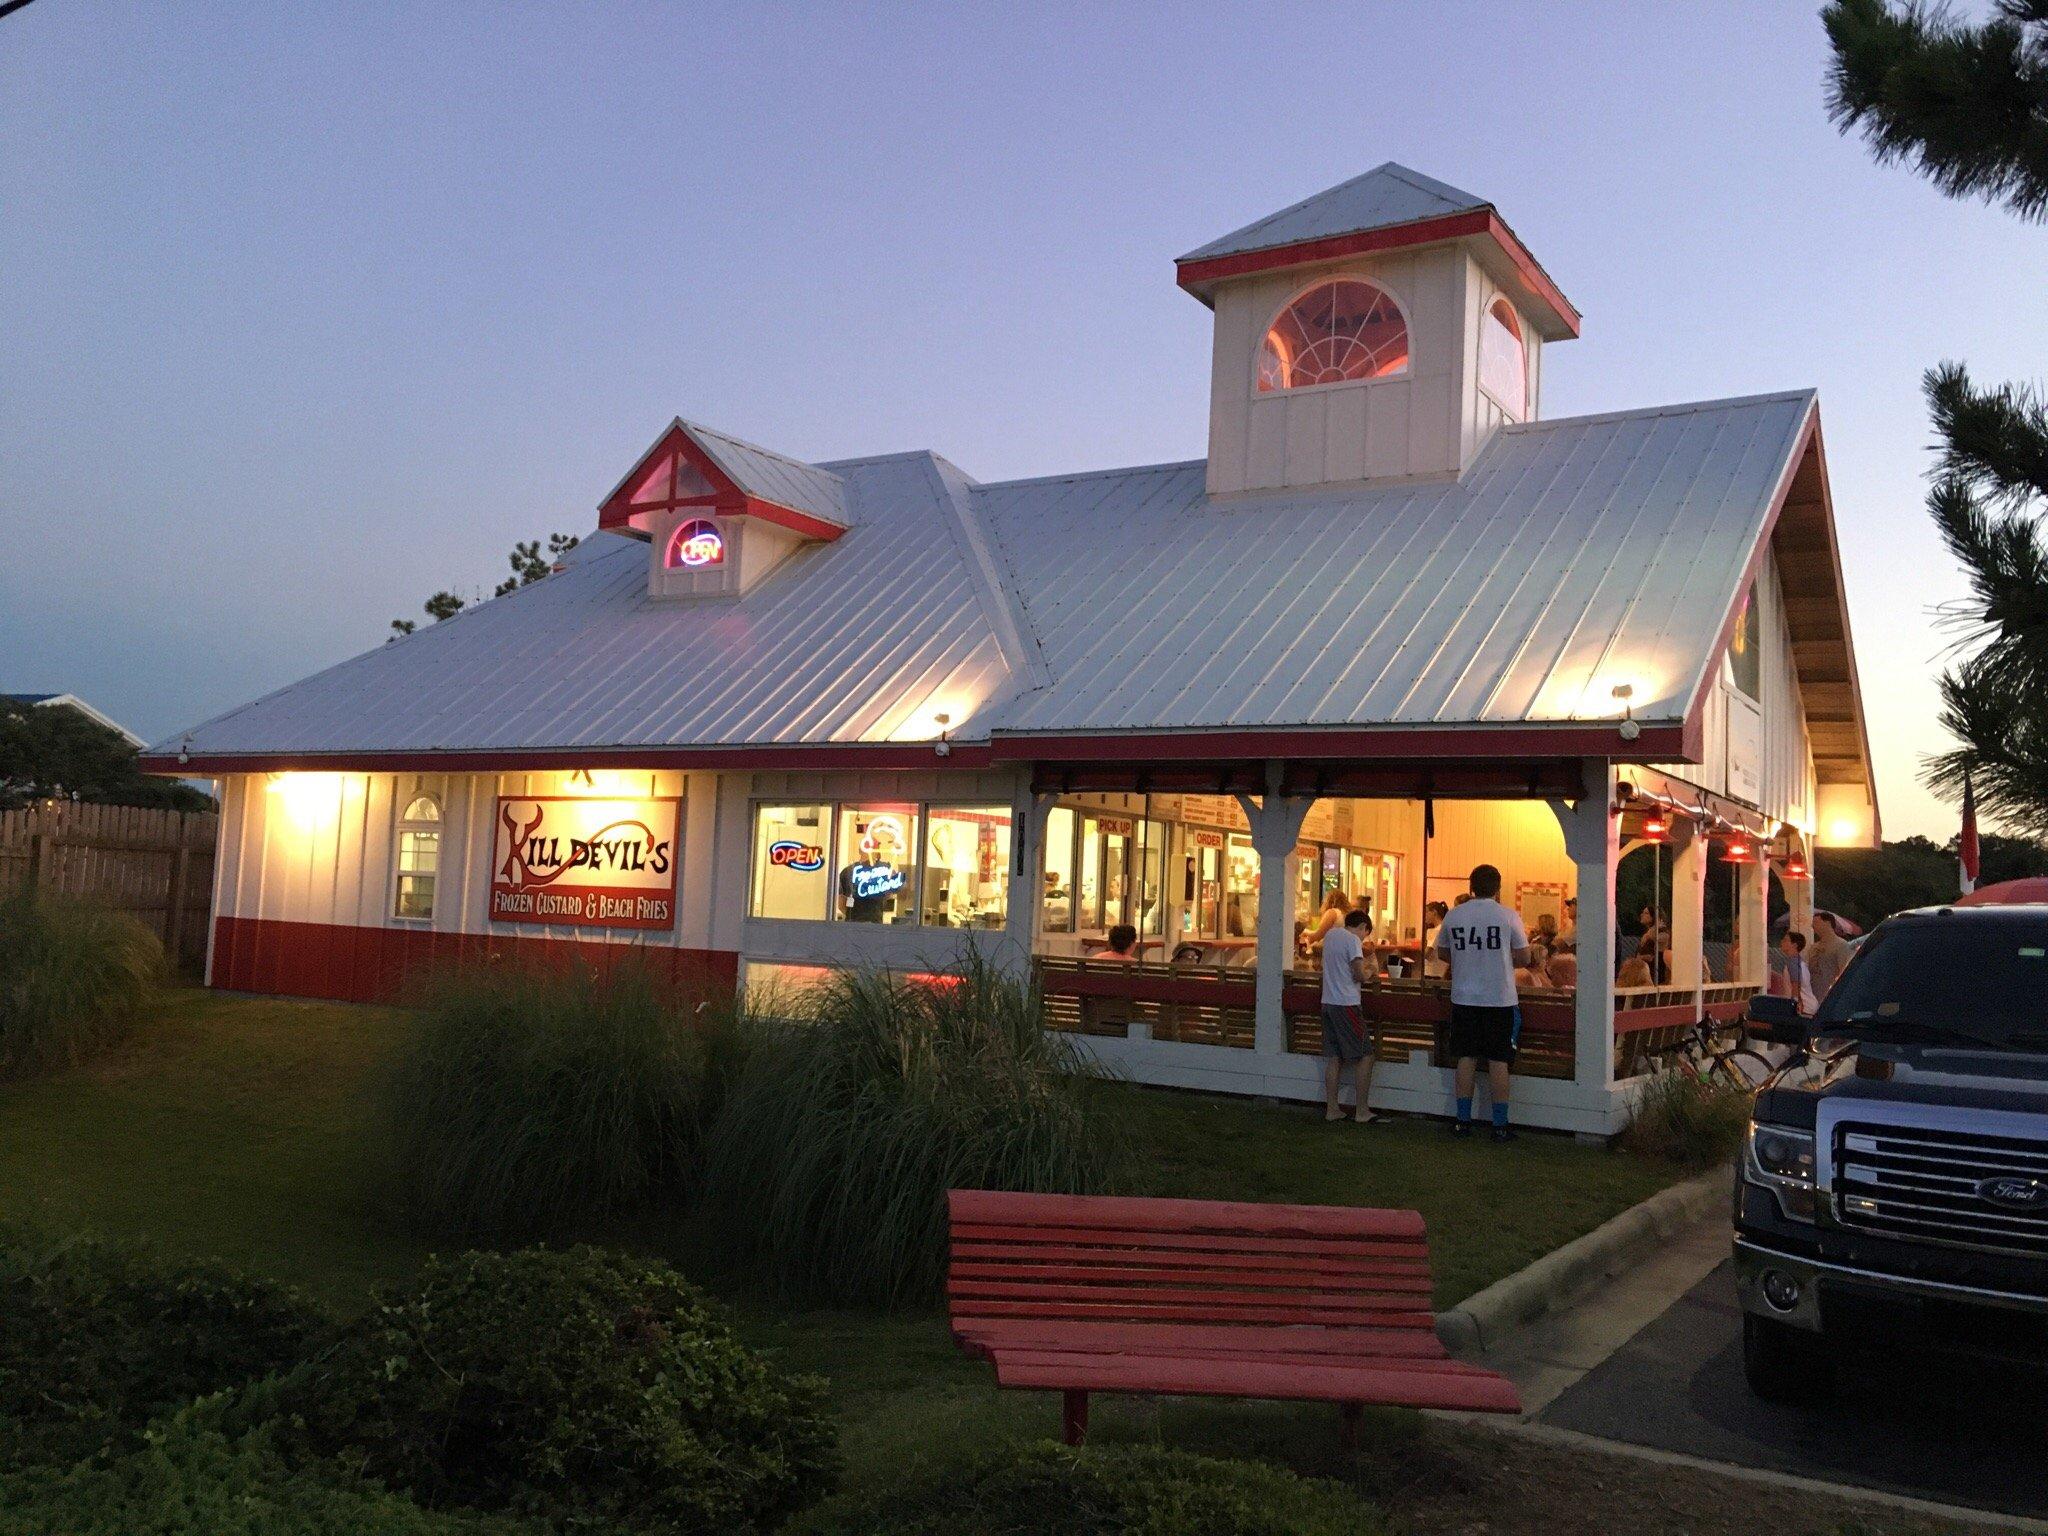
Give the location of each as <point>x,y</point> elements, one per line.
<point>526,1103</point>
<point>1688,1122</point>
<point>1146,1491</point>
<point>584,1386</point>
<point>847,1126</point>
<point>95,1342</point>
<point>192,1483</point>
<point>72,978</point>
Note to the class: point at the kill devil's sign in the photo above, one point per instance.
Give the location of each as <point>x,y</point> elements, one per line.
<point>584,863</point>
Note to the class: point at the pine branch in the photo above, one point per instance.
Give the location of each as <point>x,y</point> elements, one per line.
<point>1967,105</point>
<point>1994,440</point>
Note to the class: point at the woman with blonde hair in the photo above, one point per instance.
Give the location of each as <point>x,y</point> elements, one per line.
<point>1335,905</point>
<point>1634,972</point>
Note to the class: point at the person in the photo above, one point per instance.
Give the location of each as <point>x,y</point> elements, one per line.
<point>1828,953</point>
<point>1546,930</point>
<point>869,885</point>
<point>1634,972</point>
<point>1123,945</point>
<point>1789,974</point>
<point>1432,918</point>
<point>1564,968</point>
<point>1347,1038</point>
<point>1335,905</point>
<point>1537,972</point>
<point>1482,942</point>
<point>1568,932</point>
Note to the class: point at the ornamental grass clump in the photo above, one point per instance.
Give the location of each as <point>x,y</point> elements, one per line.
<point>73,976</point>
<point>1685,1121</point>
<point>526,1104</point>
<point>848,1124</point>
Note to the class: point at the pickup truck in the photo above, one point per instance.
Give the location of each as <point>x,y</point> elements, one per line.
<point>1893,1186</point>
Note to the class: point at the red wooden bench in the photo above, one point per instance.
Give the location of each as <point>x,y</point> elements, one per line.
<point>1200,1298</point>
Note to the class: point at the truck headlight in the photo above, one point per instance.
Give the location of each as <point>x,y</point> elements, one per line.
<point>1781,1160</point>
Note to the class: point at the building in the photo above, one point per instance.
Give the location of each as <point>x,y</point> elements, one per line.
<point>776,715</point>
<point>78,706</point>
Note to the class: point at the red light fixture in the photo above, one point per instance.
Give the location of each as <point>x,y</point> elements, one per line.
<point>1655,828</point>
<point>1738,851</point>
<point>1794,868</point>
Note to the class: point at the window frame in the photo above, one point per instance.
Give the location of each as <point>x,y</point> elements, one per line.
<point>926,810</point>
<point>1407,369</point>
<point>921,809</point>
<point>1517,413</point>
<point>404,825</point>
<point>829,835</point>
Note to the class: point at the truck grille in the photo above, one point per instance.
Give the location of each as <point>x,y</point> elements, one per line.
<point>1926,1185</point>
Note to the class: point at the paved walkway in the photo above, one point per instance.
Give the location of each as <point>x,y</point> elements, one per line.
<point>1655,1360</point>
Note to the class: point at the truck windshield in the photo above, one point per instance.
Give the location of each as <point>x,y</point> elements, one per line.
<point>1972,978</point>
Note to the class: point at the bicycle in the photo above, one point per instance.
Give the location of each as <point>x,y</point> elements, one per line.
<point>1707,1059</point>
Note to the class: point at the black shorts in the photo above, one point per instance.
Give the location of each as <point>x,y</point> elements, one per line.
<point>1485,1034</point>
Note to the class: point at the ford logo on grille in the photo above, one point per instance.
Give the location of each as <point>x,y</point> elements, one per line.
<point>2015,1194</point>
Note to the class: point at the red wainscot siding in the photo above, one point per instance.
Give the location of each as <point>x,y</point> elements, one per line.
<point>373,965</point>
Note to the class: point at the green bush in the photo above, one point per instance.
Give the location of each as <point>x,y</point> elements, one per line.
<point>1050,1490</point>
<point>584,1387</point>
<point>1685,1121</point>
<point>72,978</point>
<point>526,1103</point>
<point>847,1126</point>
<point>96,1342</point>
<point>187,1482</point>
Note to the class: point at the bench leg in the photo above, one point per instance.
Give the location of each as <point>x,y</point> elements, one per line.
<point>1348,1429</point>
<point>1074,1417</point>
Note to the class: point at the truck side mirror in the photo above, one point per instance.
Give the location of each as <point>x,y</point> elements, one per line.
<point>1775,1019</point>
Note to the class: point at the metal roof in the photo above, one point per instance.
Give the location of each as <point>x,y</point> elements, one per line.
<point>1572,556</point>
<point>1384,196</point>
<point>773,476</point>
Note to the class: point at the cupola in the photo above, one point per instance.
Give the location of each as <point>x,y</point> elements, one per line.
<point>1377,331</point>
<point>720,514</point>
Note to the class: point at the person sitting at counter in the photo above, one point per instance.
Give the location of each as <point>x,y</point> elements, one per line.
<point>1123,945</point>
<point>1335,906</point>
<point>1564,967</point>
<point>1537,972</point>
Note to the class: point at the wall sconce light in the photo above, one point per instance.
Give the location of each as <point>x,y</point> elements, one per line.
<point>945,743</point>
<point>1629,728</point>
<point>1656,828</point>
<point>1738,851</point>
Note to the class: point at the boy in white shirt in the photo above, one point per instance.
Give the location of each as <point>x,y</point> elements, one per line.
<point>1346,1035</point>
<point>1482,942</point>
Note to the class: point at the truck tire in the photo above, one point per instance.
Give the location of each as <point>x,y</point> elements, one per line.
<point>1784,1364</point>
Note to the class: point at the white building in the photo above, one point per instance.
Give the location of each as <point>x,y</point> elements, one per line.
<point>775,715</point>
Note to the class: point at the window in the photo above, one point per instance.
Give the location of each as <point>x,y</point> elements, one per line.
<point>1744,666</point>
<point>419,858</point>
<point>1503,360</point>
<point>792,848</point>
<point>966,867</point>
<point>695,545</point>
<point>1336,333</point>
<point>1240,890</point>
<point>1059,870</point>
<point>877,857</point>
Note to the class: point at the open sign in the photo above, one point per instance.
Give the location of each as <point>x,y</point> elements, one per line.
<point>806,858</point>
<point>696,544</point>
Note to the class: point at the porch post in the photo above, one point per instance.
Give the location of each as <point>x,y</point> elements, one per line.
<point>1276,824</point>
<point>1752,921</point>
<point>1799,893</point>
<point>1591,838</point>
<point>1027,872</point>
<point>1688,907</point>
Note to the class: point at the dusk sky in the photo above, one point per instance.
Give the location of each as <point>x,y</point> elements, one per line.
<point>309,311</point>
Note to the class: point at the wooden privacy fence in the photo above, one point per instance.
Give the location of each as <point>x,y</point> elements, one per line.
<point>154,864</point>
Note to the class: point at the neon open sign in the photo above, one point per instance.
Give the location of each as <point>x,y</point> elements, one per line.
<point>807,858</point>
<point>696,544</point>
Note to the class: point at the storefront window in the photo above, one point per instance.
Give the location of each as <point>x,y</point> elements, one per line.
<point>1240,890</point>
<point>1059,870</point>
<point>792,847</point>
<point>877,850</point>
<point>967,867</point>
<point>419,857</point>
<point>1148,886</point>
<point>1202,917</point>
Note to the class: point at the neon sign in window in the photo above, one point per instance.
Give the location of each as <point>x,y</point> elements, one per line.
<point>696,544</point>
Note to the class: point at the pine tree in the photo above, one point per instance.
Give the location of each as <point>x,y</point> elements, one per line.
<point>1968,105</point>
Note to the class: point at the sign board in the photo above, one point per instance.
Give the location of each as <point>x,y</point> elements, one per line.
<point>582,862</point>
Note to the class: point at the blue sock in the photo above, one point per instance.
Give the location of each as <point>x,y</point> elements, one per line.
<point>1500,1113</point>
<point>1464,1111</point>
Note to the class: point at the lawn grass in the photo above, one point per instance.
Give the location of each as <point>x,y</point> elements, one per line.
<point>245,1128</point>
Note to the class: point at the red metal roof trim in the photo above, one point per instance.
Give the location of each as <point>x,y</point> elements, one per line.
<point>619,509</point>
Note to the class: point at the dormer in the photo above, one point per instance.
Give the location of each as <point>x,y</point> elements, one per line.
<point>720,514</point>
<point>1378,331</point>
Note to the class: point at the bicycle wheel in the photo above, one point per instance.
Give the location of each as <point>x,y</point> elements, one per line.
<point>1744,1069</point>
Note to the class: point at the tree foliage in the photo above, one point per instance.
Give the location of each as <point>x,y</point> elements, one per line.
<point>1966,104</point>
<point>1868,885</point>
<point>528,564</point>
<point>54,752</point>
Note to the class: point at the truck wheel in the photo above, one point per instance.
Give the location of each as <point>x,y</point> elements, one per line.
<point>1784,1364</point>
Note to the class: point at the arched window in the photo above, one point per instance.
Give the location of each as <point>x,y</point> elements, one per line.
<point>1337,332</point>
<point>695,544</point>
<point>1504,360</point>
<point>418,857</point>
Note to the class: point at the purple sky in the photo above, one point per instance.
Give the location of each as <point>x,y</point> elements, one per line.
<point>310,310</point>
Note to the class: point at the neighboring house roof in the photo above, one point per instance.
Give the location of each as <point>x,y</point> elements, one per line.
<point>1126,613</point>
<point>73,701</point>
<point>1387,195</point>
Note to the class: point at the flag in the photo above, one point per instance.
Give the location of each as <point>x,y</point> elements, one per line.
<point>1966,845</point>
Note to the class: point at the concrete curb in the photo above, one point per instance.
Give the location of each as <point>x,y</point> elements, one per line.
<point>1481,1321</point>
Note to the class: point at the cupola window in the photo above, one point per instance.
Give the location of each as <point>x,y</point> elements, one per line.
<point>1338,332</point>
<point>1504,360</point>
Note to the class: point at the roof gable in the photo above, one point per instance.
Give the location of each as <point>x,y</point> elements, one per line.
<point>692,465</point>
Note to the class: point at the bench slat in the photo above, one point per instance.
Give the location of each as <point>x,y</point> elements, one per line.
<point>1140,1338</point>
<point>1168,1259</point>
<point>1221,1242</point>
<point>1215,1296</point>
<point>1184,1275</point>
<point>1156,1215</point>
<point>1381,1384</point>
<point>1205,1312</point>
